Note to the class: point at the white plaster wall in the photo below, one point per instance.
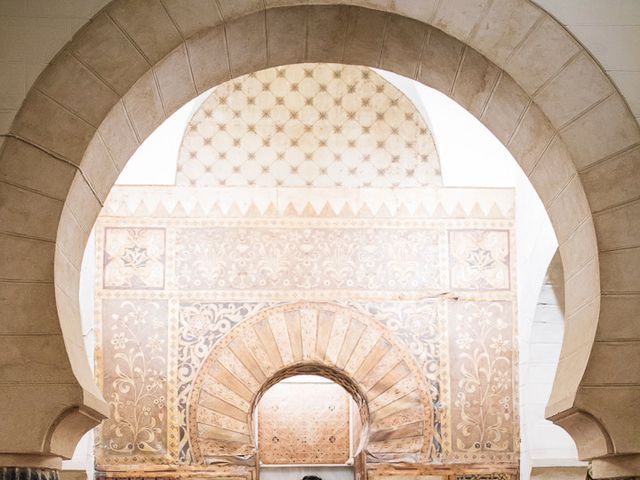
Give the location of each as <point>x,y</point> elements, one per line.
<point>549,445</point>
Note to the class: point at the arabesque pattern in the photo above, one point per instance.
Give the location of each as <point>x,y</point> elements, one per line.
<point>222,357</point>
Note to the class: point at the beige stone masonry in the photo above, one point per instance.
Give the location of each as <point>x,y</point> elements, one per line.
<point>139,61</point>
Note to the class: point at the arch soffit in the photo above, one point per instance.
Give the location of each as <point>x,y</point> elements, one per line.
<point>328,339</point>
<point>515,68</point>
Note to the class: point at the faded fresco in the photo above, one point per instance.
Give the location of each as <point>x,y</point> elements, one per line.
<point>206,289</point>
<point>304,423</point>
<point>461,339</point>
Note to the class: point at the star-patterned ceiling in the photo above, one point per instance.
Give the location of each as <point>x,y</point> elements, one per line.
<point>308,125</point>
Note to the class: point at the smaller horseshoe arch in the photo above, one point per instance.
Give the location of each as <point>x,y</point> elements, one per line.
<point>329,373</point>
<point>325,339</point>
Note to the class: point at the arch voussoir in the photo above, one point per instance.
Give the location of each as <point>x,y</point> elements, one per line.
<point>296,339</point>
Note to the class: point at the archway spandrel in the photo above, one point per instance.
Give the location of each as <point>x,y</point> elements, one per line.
<point>394,394</point>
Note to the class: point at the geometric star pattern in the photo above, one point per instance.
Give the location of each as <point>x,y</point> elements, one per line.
<point>308,125</point>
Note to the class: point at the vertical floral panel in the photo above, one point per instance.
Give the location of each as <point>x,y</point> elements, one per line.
<point>134,379</point>
<point>134,258</point>
<point>482,358</point>
<point>479,259</point>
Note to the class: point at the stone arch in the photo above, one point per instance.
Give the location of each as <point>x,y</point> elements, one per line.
<point>507,62</point>
<point>327,339</point>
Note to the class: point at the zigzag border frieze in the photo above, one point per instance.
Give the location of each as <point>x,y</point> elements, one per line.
<point>433,203</point>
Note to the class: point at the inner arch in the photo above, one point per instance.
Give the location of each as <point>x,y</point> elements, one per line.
<point>361,371</point>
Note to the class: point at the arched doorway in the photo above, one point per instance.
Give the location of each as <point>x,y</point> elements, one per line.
<point>266,359</point>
